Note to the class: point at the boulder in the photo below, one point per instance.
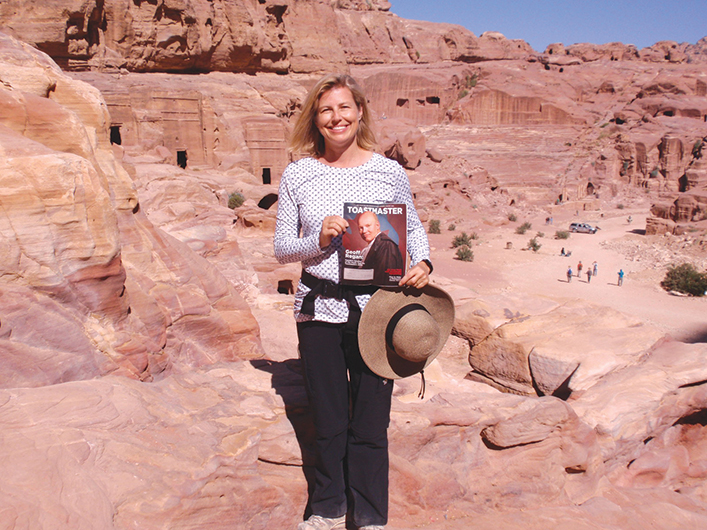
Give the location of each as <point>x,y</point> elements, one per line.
<point>471,324</point>
<point>520,358</point>
<point>402,142</point>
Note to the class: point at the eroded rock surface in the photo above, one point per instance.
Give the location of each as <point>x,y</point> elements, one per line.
<point>135,300</point>
<point>133,389</point>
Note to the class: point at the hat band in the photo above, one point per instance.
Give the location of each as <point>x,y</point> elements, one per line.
<point>390,329</point>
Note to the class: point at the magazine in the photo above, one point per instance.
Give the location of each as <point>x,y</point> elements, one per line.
<point>375,244</point>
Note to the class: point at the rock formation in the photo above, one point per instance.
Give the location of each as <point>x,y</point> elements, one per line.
<point>134,387</point>
<point>81,254</point>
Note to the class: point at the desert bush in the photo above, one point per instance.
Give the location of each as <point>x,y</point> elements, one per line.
<point>562,234</point>
<point>534,245</point>
<point>461,240</point>
<point>452,227</point>
<point>464,253</point>
<point>522,229</point>
<point>235,200</point>
<point>540,234</point>
<point>512,217</point>
<point>685,278</point>
<point>620,206</point>
<point>434,227</point>
<point>471,80</point>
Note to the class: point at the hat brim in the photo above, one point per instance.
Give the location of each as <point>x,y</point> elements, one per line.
<point>384,303</point>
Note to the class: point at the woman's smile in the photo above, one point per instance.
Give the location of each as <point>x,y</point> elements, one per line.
<point>337,118</point>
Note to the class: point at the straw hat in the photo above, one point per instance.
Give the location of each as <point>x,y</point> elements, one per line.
<point>402,330</point>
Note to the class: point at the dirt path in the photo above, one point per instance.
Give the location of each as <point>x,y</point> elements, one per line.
<point>543,274</point>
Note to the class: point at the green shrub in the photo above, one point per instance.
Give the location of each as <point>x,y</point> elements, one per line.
<point>522,229</point>
<point>562,234</point>
<point>471,80</point>
<point>461,240</point>
<point>235,200</point>
<point>534,245</point>
<point>463,93</point>
<point>540,234</point>
<point>685,278</point>
<point>452,227</point>
<point>464,253</point>
<point>620,206</point>
<point>512,217</point>
<point>434,227</point>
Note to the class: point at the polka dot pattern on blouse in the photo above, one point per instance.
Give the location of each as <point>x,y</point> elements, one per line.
<point>311,191</point>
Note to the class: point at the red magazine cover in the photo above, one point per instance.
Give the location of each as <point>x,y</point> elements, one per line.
<point>375,244</point>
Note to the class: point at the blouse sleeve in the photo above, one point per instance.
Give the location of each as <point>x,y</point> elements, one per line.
<point>418,245</point>
<point>289,246</point>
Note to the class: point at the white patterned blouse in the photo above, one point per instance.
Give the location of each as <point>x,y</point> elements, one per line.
<point>311,191</point>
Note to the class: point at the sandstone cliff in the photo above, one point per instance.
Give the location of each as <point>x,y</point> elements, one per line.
<point>79,254</point>
<point>620,117</point>
<point>132,395</point>
<point>237,35</point>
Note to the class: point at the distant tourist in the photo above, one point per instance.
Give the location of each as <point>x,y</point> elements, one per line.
<point>629,219</point>
<point>595,270</point>
<point>589,275</point>
<point>569,274</point>
<point>621,278</point>
<point>579,268</point>
<point>562,252</point>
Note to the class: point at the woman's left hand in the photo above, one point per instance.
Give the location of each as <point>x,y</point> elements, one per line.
<point>418,276</point>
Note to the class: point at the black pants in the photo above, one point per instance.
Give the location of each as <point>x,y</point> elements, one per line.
<point>351,417</point>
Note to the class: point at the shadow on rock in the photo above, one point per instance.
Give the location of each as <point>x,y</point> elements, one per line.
<point>288,383</point>
<point>696,337</point>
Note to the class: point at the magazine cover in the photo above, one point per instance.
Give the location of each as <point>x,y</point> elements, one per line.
<point>375,244</point>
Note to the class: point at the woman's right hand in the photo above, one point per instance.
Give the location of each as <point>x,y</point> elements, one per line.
<point>332,226</point>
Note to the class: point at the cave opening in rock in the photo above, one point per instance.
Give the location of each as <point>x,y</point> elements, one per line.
<point>682,183</point>
<point>285,287</point>
<point>696,418</point>
<point>182,159</point>
<point>266,202</point>
<point>115,135</point>
<point>266,175</point>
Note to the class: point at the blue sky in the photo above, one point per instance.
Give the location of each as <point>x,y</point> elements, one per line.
<point>540,22</point>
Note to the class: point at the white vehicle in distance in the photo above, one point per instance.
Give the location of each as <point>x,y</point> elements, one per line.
<point>583,228</point>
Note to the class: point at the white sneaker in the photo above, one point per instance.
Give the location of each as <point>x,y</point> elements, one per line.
<point>372,527</point>
<point>317,522</point>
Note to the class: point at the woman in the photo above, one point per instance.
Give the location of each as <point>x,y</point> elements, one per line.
<point>351,405</point>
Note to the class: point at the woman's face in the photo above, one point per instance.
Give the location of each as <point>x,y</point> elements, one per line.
<point>337,118</point>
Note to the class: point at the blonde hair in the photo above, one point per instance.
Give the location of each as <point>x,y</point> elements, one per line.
<point>306,138</point>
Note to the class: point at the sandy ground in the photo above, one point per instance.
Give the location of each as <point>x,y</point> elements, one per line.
<point>529,282</point>
<point>531,277</point>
